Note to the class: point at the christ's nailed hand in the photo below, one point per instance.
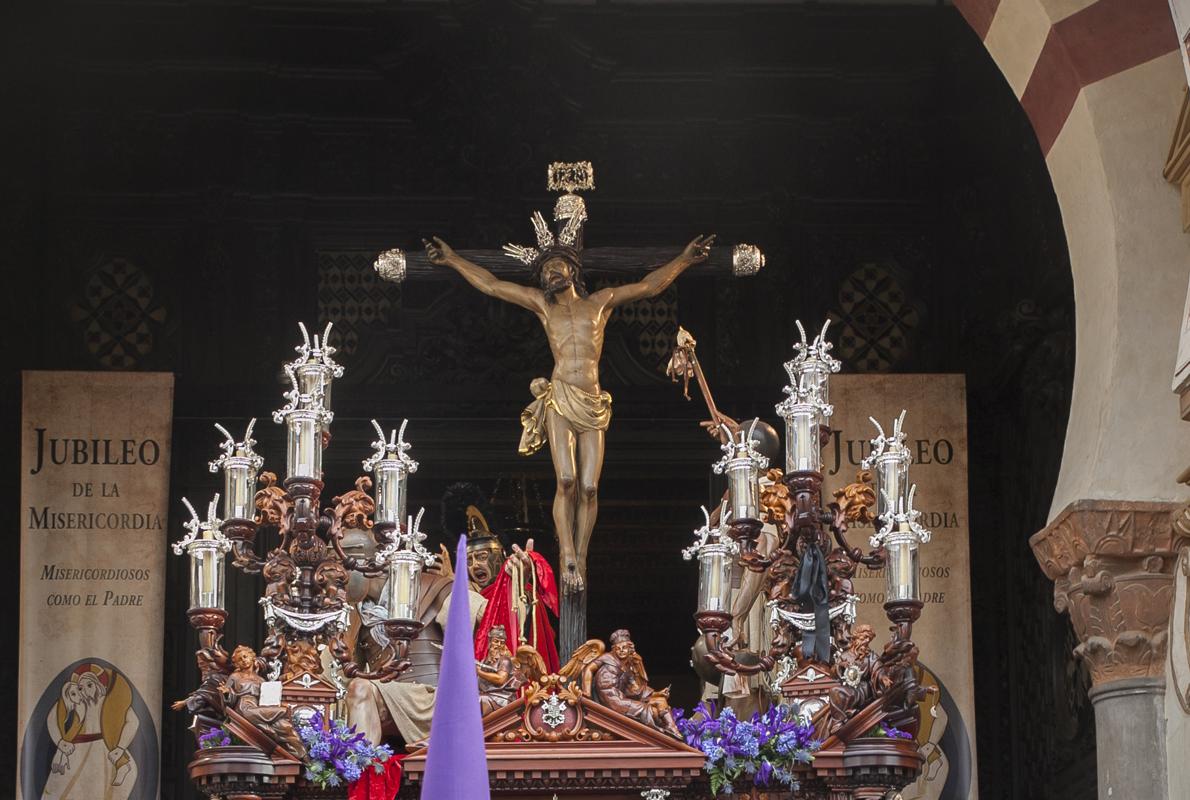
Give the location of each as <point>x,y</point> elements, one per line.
<point>438,251</point>
<point>699,249</point>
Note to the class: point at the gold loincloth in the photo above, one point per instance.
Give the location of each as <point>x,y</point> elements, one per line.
<point>583,410</point>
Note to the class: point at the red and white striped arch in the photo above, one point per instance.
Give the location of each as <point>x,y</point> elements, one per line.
<point>1049,50</point>
<point>1102,83</point>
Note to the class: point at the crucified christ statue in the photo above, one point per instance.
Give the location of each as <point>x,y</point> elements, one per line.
<point>570,410</point>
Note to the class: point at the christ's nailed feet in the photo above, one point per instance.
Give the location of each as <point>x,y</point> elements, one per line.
<point>572,576</point>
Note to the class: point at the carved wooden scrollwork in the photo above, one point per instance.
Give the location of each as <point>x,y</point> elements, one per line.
<point>354,509</point>
<point>272,504</point>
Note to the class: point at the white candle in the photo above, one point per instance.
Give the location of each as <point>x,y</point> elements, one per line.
<point>803,443</point>
<point>304,440</point>
<point>404,585</point>
<point>714,578</point>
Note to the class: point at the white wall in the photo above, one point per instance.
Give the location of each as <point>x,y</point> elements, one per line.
<point>1131,264</point>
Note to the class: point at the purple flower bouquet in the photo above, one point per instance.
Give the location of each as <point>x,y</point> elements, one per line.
<point>761,752</point>
<point>883,731</point>
<point>339,755</point>
<point>214,737</point>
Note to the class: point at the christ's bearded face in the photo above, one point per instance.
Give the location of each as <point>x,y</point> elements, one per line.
<point>92,689</point>
<point>556,275</point>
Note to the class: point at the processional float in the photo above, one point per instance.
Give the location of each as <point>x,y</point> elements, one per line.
<point>848,712</point>
<point>305,599</point>
<point>864,707</point>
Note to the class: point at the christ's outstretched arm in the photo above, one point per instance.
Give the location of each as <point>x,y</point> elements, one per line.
<point>659,279</point>
<point>439,252</point>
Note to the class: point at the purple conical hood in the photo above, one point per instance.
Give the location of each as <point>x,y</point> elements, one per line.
<point>456,764</point>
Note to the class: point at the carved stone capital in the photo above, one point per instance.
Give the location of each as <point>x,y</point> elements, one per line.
<point>1112,564</point>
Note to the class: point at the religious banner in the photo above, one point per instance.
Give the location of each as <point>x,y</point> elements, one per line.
<point>94,484</point>
<point>936,428</point>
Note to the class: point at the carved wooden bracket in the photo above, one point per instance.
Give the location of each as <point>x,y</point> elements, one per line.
<point>1112,564</point>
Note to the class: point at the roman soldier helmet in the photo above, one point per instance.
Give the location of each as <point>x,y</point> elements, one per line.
<point>479,535</point>
<point>622,635</point>
<point>465,509</point>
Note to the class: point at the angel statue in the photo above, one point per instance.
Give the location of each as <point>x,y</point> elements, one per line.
<point>570,410</point>
<point>617,679</point>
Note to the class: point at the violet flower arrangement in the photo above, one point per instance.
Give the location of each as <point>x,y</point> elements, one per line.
<point>889,732</point>
<point>339,755</point>
<point>758,753</point>
<point>214,737</point>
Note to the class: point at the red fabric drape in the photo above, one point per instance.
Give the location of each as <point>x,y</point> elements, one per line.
<point>378,786</point>
<point>499,612</point>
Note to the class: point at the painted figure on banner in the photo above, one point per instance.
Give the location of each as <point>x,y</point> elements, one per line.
<point>92,726</point>
<point>934,722</point>
<point>943,742</point>
<point>570,410</point>
<point>520,587</point>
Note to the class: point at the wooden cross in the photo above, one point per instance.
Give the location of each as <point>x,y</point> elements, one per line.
<point>595,260</point>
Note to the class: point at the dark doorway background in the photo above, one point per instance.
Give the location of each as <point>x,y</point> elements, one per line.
<point>225,170</point>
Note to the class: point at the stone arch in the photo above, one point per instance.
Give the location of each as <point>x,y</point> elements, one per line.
<point>1101,82</point>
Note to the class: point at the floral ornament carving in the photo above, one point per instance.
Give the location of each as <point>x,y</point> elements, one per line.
<point>878,318</point>
<point>1112,563</point>
<point>272,505</point>
<point>775,502</point>
<point>353,293</point>
<point>857,500</point>
<point>353,510</point>
<point>119,314</point>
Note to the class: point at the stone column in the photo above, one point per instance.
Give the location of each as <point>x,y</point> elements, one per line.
<point>1112,563</point>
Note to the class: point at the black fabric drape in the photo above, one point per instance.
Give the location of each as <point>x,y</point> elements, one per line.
<point>811,586</point>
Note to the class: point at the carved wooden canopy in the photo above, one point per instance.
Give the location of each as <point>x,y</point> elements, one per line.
<point>538,746</point>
